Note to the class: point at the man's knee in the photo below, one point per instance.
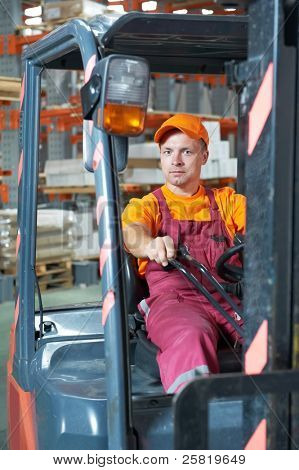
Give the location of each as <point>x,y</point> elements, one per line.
<point>200,333</point>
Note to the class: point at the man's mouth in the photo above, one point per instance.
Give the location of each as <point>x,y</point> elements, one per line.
<point>177,172</point>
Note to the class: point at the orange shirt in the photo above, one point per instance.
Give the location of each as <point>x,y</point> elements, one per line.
<point>232,208</point>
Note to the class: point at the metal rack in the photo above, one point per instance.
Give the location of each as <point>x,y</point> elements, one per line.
<point>61,125</point>
<point>10,65</point>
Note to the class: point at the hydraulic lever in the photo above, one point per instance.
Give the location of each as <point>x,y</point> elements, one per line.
<point>184,253</point>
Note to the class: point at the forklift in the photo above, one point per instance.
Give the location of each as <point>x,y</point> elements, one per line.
<point>85,377</point>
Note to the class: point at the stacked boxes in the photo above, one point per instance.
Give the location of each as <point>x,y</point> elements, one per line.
<point>54,11</point>
<point>144,164</point>
<point>69,172</point>
<point>55,236</point>
<point>144,160</point>
<point>62,235</point>
<point>87,243</point>
<point>219,165</point>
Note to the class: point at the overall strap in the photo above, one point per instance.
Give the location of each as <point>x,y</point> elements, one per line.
<point>171,225</point>
<point>164,209</point>
<point>214,209</point>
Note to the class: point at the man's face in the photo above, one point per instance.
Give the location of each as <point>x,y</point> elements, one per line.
<point>181,159</point>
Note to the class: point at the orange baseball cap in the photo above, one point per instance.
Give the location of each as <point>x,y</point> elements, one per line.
<point>190,125</point>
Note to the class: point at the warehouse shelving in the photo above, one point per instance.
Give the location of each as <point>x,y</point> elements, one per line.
<point>61,123</point>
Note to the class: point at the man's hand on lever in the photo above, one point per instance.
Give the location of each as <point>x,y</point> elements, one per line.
<point>161,249</point>
<point>141,244</point>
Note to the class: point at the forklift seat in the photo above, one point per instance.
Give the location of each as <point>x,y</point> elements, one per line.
<point>145,350</point>
<point>136,287</point>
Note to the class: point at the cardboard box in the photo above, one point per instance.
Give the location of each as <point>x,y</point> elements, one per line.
<point>145,150</point>
<point>85,222</point>
<point>210,170</point>
<point>213,128</point>
<point>70,172</point>
<point>220,169</point>
<point>219,150</point>
<point>143,176</point>
<point>86,246</point>
<point>55,235</point>
<point>70,9</point>
<point>10,88</point>
<point>228,168</point>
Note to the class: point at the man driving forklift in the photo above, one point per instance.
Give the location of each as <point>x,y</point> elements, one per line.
<point>180,321</point>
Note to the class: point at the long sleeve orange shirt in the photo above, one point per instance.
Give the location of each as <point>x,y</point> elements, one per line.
<point>232,207</point>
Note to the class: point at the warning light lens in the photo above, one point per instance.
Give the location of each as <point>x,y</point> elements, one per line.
<point>123,119</point>
<point>126,96</point>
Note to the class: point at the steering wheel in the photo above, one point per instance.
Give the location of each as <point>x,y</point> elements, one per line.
<point>229,272</point>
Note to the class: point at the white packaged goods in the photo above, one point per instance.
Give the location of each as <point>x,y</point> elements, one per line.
<point>86,243</point>
<point>86,246</point>
<point>150,150</point>
<point>219,150</point>
<point>144,150</point>
<point>228,168</point>
<point>213,128</point>
<point>55,235</point>
<point>53,11</point>
<point>143,176</point>
<point>210,170</point>
<point>70,172</point>
<point>85,222</point>
<point>224,150</point>
<point>53,219</point>
<point>220,169</point>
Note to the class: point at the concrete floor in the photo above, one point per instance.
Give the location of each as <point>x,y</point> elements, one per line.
<point>50,299</point>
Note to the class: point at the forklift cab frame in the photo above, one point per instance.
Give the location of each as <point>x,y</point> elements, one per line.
<point>40,380</point>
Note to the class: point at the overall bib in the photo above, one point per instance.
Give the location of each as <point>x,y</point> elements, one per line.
<point>179,320</point>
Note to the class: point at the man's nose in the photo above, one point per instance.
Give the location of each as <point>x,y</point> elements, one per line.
<point>177,159</point>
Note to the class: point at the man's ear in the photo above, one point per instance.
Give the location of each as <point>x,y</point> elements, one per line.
<point>205,156</point>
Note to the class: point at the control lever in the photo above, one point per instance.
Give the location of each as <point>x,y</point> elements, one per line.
<point>183,252</point>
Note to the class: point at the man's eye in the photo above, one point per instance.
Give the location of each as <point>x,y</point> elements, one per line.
<point>187,152</point>
<point>167,152</point>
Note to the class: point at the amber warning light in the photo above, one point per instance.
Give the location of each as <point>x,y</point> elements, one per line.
<point>126,95</point>
<point>116,95</point>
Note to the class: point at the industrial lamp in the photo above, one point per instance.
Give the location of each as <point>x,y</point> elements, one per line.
<point>116,95</point>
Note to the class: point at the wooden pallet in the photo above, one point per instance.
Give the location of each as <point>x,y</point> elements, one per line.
<point>54,273</point>
<point>9,271</point>
<point>86,258</point>
<point>10,88</point>
<point>51,273</point>
<point>56,283</point>
<point>53,266</point>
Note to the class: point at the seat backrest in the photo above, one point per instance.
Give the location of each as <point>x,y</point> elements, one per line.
<point>136,287</point>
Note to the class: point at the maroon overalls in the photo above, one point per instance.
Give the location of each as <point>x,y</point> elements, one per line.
<point>179,320</point>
